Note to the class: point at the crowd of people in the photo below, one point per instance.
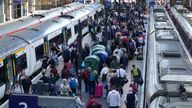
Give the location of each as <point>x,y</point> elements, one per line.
<point>127,35</point>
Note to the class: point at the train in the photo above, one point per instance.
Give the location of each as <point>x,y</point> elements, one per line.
<point>23,50</point>
<point>36,18</point>
<point>169,66</point>
<point>183,19</point>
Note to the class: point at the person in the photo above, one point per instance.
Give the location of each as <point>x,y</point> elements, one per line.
<point>52,79</point>
<point>73,55</point>
<point>92,103</point>
<point>65,52</point>
<point>27,84</point>
<point>65,89</point>
<point>79,103</point>
<point>44,78</point>
<point>136,73</point>
<point>109,76</point>
<point>18,88</point>
<point>73,84</point>
<point>121,72</point>
<point>65,72</point>
<point>103,75</point>
<point>113,98</point>
<point>45,60</point>
<point>92,82</point>
<point>85,76</point>
<point>55,57</point>
<point>131,99</point>
<point>55,48</point>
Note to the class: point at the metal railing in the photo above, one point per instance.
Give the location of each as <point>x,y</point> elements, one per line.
<point>50,102</point>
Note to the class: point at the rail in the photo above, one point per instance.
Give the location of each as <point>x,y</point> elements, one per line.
<point>49,101</point>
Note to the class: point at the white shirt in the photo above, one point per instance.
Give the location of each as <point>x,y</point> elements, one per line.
<point>113,98</point>
<point>121,73</point>
<point>105,70</point>
<point>18,89</point>
<point>79,104</point>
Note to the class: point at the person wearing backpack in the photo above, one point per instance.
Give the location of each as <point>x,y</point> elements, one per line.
<point>85,76</point>
<point>131,99</point>
<point>65,89</point>
<point>73,84</point>
<point>92,82</point>
<point>136,74</point>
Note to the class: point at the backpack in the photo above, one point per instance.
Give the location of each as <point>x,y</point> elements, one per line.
<point>73,83</point>
<point>85,75</point>
<point>131,45</point>
<point>104,77</point>
<point>94,104</point>
<point>92,76</point>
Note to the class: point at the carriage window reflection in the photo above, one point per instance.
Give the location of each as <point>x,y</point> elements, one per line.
<point>21,63</point>
<point>39,50</point>
<point>2,75</point>
<point>68,34</point>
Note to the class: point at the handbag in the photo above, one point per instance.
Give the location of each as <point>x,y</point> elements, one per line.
<point>122,80</point>
<point>140,81</point>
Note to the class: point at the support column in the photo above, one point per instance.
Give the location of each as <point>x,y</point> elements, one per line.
<point>27,8</point>
<point>11,9</point>
<point>2,15</point>
<point>79,39</point>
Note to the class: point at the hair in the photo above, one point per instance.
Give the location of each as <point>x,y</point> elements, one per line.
<point>130,89</point>
<point>133,66</point>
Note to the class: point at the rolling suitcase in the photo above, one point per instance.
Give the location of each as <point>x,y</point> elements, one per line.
<point>99,90</point>
<point>140,56</point>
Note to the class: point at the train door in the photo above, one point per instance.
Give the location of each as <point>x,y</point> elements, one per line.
<point>46,45</point>
<point>9,63</point>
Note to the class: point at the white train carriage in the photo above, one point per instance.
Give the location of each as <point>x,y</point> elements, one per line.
<point>13,53</point>
<point>28,46</point>
<point>168,66</point>
<point>183,19</point>
<point>37,18</point>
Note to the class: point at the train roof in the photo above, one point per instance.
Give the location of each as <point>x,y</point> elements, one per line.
<point>38,17</point>
<point>160,17</point>
<point>170,65</point>
<point>188,17</point>
<point>10,44</point>
<point>158,8</point>
<point>95,7</point>
<point>181,9</point>
<point>79,14</point>
<point>163,25</point>
<point>34,33</point>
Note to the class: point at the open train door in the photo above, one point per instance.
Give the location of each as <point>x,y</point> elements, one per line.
<point>46,45</point>
<point>10,71</point>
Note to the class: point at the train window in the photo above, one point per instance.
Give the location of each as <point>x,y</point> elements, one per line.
<point>76,29</point>
<point>68,34</point>
<point>21,63</point>
<point>2,76</point>
<point>84,24</point>
<point>58,39</point>
<point>39,50</point>
<point>95,17</point>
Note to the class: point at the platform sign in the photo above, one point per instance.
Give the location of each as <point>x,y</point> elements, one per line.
<point>20,101</point>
